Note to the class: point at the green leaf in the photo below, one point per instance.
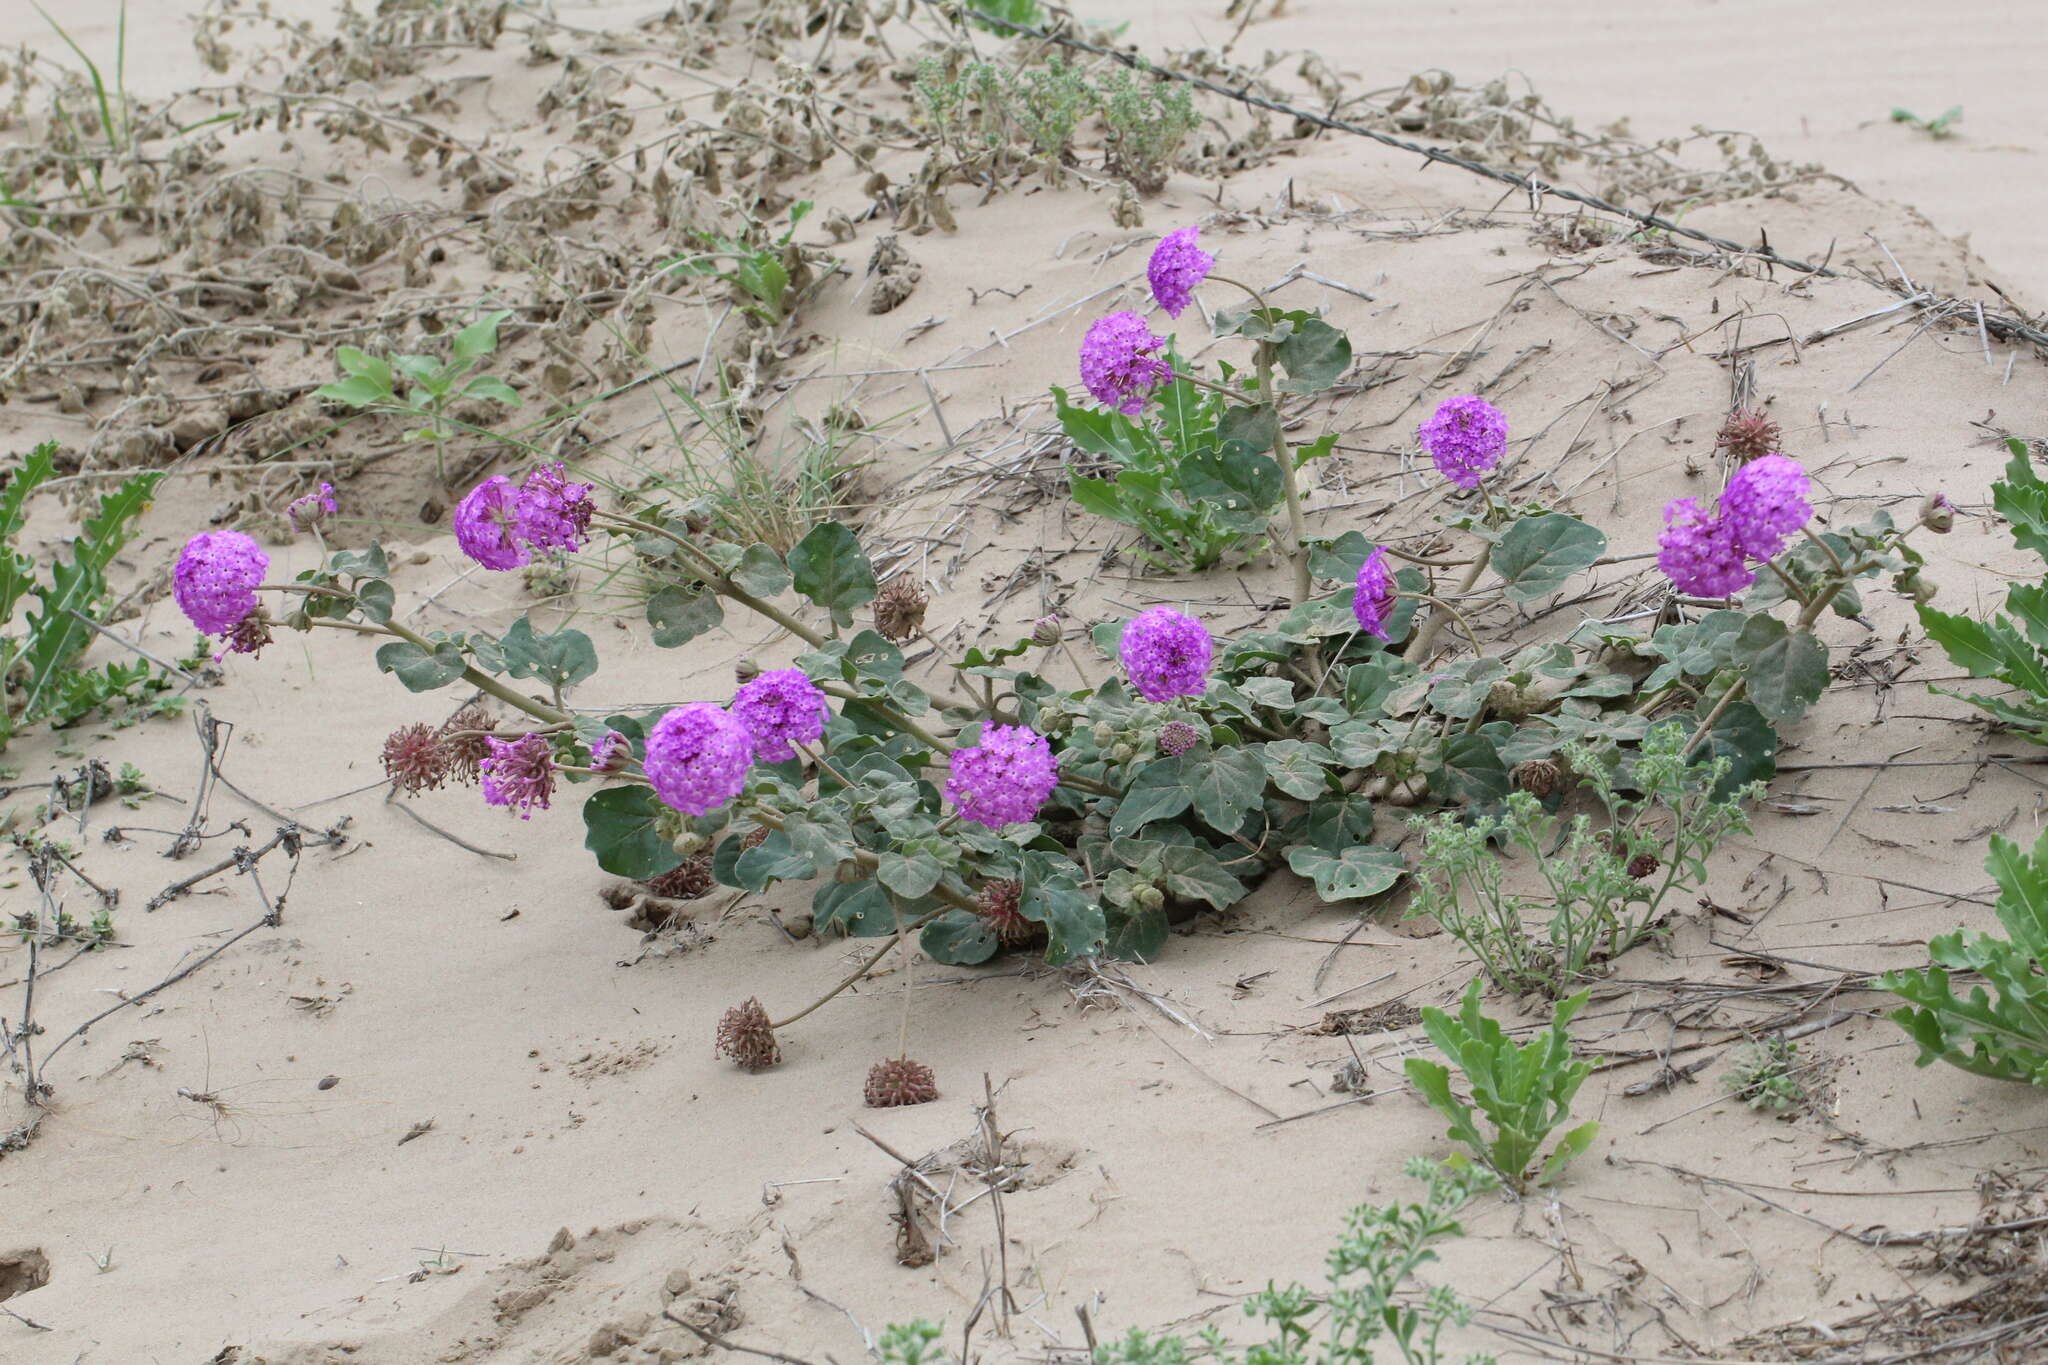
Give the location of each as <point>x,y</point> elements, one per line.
<point>619,827</point>
<point>1100,497</point>
<point>1137,935</point>
<point>1352,874</point>
<point>479,339</point>
<point>858,909</point>
<point>55,637</point>
<point>1746,740</point>
<point>421,670</point>
<point>358,365</point>
<point>827,566</point>
<point>375,600</point>
<point>1226,785</point>
<point>2022,499</point>
<point>492,388</point>
<point>1787,676</point>
<point>680,614</point>
<point>959,939</point>
<point>1195,874</point>
<point>909,877</point>
<point>354,393</point>
<point>766,279</point>
<point>17,570</point>
<point>1158,791</point>
<point>1301,770</point>
<point>1537,554</point>
<point>1314,357</point>
<point>761,572</point>
<point>1247,430</point>
<point>561,659</point>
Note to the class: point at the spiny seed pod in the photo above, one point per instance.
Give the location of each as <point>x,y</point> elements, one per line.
<point>1539,777</point>
<point>467,738</point>
<point>999,903</point>
<point>1747,435</point>
<point>745,1036</point>
<point>1177,737</point>
<point>900,1082</point>
<point>1643,865</point>
<point>686,881</point>
<point>415,760</point>
<point>899,610</point>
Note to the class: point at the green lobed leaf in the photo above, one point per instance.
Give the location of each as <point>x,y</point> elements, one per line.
<point>619,827</point>
<point>679,614</point>
<point>419,669</point>
<point>1535,555</point>
<point>1353,873</point>
<point>1315,356</point>
<point>827,566</point>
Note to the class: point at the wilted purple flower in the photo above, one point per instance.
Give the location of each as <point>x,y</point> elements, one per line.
<point>1177,737</point>
<point>612,753</point>
<point>1466,437</point>
<point>1765,504</point>
<point>1937,513</point>
<point>1003,779</point>
<point>1696,553</point>
<point>697,758</point>
<point>312,510</point>
<point>777,709</point>
<point>1118,365</point>
<point>550,513</point>
<point>519,773</point>
<point>1373,602</point>
<point>487,524</point>
<point>1177,266</point>
<point>247,636</point>
<point>215,581</point>
<point>1166,654</point>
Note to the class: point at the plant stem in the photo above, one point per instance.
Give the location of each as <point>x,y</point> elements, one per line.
<point>1464,625</point>
<point>1297,525</point>
<point>1419,647</point>
<point>717,579</point>
<point>472,675</point>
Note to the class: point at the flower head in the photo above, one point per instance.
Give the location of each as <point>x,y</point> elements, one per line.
<point>1937,513</point>
<point>215,581</point>
<point>415,759</point>
<point>901,1081</point>
<point>612,753</point>
<point>1466,437</point>
<point>550,513</point>
<point>1374,600</point>
<point>519,773</point>
<point>1118,365</point>
<point>1177,737</point>
<point>1166,654</point>
<point>487,524</point>
<point>697,757</point>
<point>312,510</point>
<point>1765,504</point>
<point>777,709</point>
<point>1003,779</point>
<point>1176,267</point>
<point>1696,553</point>
<point>1047,631</point>
<point>745,1035</point>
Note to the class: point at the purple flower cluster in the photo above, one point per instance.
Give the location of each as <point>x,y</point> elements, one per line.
<point>777,709</point>
<point>1764,505</point>
<point>1374,600</point>
<point>1177,737</point>
<point>1003,779</point>
<point>215,581</point>
<point>1466,437</point>
<point>1118,364</point>
<point>1176,267</point>
<point>697,757</point>
<point>1166,654</point>
<point>612,753</point>
<point>519,773</point>
<point>312,510</point>
<point>502,526</point>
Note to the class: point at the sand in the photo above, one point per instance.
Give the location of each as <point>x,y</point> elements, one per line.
<point>527,1151</point>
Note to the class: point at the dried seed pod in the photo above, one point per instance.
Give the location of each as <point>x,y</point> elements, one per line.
<point>685,881</point>
<point>415,759</point>
<point>1539,777</point>
<point>1747,435</point>
<point>467,738</point>
<point>899,610</point>
<point>1643,865</point>
<point>900,1082</point>
<point>744,1036</point>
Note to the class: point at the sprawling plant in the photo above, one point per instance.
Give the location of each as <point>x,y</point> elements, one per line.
<point>1005,811</point>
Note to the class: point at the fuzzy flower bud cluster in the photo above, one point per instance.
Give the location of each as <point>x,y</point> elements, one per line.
<point>315,509</point>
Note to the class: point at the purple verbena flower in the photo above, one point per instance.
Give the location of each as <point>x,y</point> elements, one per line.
<point>519,773</point>
<point>1466,437</point>
<point>1696,553</point>
<point>1166,654</point>
<point>1118,365</point>
<point>1373,601</point>
<point>550,513</point>
<point>487,524</point>
<point>697,757</point>
<point>1004,778</point>
<point>777,709</point>
<point>1765,504</point>
<point>312,510</point>
<point>1176,267</point>
<point>215,581</point>
<point>612,753</point>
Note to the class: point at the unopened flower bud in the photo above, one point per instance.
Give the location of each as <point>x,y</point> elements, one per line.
<point>1121,753</point>
<point>745,671</point>
<point>1150,897</point>
<point>1913,585</point>
<point>688,844</point>
<point>1045,631</point>
<point>1104,732</point>
<point>1937,513</point>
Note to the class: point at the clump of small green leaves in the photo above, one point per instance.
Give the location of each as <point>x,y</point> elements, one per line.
<point>1016,11</point>
<point>1765,1075</point>
<point>2005,1038</point>
<point>1144,122</point>
<point>39,666</point>
<point>1383,1246</point>
<point>1523,1092</point>
<point>976,107</point>
<point>1606,886</point>
<point>1942,126</point>
<point>432,387</point>
<point>757,269</point>
<point>2009,646</point>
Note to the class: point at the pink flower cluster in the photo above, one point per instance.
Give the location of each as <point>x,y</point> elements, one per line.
<point>502,526</point>
<point>519,773</point>
<point>698,755</point>
<point>1166,654</point>
<point>215,581</point>
<point>1373,601</point>
<point>1003,779</point>
<point>1762,507</point>
<point>1465,437</point>
<point>1119,364</point>
<point>1176,267</point>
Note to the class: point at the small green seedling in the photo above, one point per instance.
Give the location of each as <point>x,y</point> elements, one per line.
<point>1524,1092</point>
<point>1942,126</point>
<point>757,272</point>
<point>432,386</point>
<point>1765,1076</point>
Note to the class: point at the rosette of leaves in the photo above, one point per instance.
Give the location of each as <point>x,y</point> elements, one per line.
<point>2003,1032</point>
<point>2012,646</point>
